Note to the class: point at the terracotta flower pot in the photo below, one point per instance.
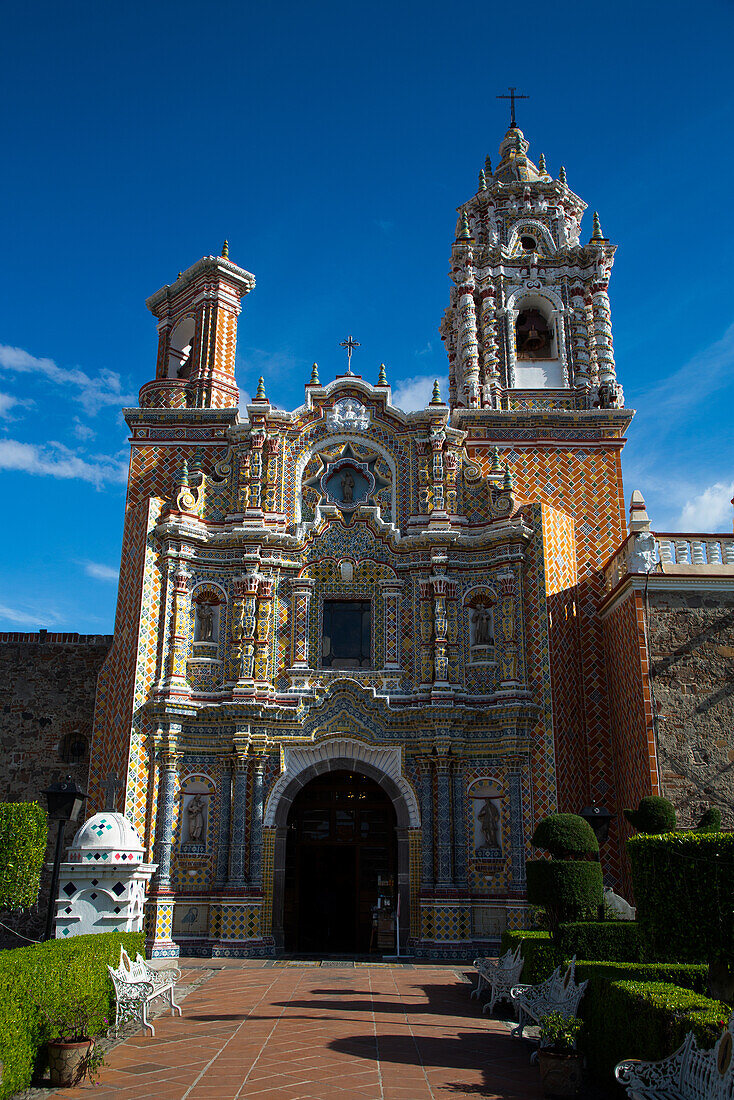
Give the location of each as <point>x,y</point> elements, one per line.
<point>560,1074</point>
<point>65,1061</point>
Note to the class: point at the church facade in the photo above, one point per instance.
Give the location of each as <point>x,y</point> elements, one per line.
<point>359,653</point>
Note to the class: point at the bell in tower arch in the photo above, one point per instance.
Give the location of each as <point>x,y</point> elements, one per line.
<point>532,335</point>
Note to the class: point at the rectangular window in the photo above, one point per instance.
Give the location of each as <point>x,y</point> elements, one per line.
<point>346,641</point>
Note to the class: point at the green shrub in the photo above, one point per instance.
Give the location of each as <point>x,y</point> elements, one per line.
<point>23,836</point>
<point>710,821</point>
<point>686,975</point>
<point>653,815</point>
<point>566,836</point>
<point>568,889</point>
<point>537,951</point>
<point>628,1019</point>
<point>608,939</point>
<point>684,890</point>
<point>43,982</point>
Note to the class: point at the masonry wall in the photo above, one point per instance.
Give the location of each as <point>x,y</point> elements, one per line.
<point>692,663</point>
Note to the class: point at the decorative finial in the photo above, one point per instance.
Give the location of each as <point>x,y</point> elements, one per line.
<point>488,165</point>
<point>512,97</point>
<point>464,234</point>
<point>541,164</point>
<point>382,376</point>
<point>562,176</point>
<point>482,181</point>
<point>260,394</point>
<point>597,234</point>
<point>350,344</point>
<point>314,380</point>
<point>508,484</point>
<point>184,478</point>
<point>179,275</point>
<point>496,464</point>
<point>225,249</point>
<point>436,399</point>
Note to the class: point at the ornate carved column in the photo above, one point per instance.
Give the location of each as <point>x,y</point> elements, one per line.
<point>468,345</point>
<point>459,823</point>
<point>489,347</point>
<point>262,631</point>
<point>511,663</point>
<point>302,588</point>
<point>256,824</point>
<point>245,590</point>
<point>178,640</point>
<point>517,833</point>
<point>510,316</point>
<point>580,339</point>
<point>558,318</point>
<point>225,817</point>
<point>391,613</point>
<point>437,439</point>
<point>603,335</point>
<point>425,612</point>
<point>444,870</point>
<point>238,830</point>
<point>168,763</point>
<point>425,764</point>
<point>270,458</point>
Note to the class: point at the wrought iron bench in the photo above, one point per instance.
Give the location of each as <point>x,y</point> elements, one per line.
<point>136,985</point>
<point>689,1074</point>
<point>499,977</point>
<point>559,993</point>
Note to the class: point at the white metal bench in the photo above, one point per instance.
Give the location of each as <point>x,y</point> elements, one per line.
<point>559,993</point>
<point>136,985</point>
<point>499,977</point>
<point>689,1074</point>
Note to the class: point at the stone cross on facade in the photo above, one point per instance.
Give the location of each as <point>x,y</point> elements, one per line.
<point>512,97</point>
<point>350,345</point>
<point>111,786</point>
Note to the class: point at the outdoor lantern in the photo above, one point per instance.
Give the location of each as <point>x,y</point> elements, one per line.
<point>599,819</point>
<point>65,800</point>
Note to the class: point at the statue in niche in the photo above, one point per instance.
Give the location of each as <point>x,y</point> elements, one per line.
<point>196,818</point>
<point>489,820</point>
<point>205,624</point>
<point>482,623</point>
<point>347,484</point>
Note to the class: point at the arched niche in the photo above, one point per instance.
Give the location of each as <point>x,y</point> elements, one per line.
<point>180,348</point>
<point>537,340</point>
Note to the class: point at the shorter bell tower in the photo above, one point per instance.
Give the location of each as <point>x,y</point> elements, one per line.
<point>197,336</point>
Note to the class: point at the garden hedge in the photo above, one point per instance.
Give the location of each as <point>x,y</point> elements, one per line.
<point>684,890</point>
<point>53,975</point>
<point>537,951</point>
<point>23,836</point>
<point>692,976</point>
<point>566,836</point>
<point>617,940</point>
<point>567,889</point>
<point>647,1020</point>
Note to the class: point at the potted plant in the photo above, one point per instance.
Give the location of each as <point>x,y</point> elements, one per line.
<point>71,1049</point>
<point>560,1062</point>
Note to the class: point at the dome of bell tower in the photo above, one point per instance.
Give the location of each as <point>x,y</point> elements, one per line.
<point>515,164</point>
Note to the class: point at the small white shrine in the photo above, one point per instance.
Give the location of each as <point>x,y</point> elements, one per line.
<point>102,883</point>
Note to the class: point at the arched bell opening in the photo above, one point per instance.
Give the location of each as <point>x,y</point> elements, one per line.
<point>534,335</point>
<point>181,348</point>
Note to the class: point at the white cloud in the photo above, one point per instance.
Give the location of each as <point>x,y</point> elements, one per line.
<point>710,510</point>
<point>709,370</point>
<point>55,460</point>
<point>414,393</point>
<point>99,571</point>
<point>93,393</point>
<point>81,430</point>
<point>28,617</point>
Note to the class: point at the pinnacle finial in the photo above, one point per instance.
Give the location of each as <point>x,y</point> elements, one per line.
<point>508,484</point>
<point>541,164</point>
<point>562,176</point>
<point>184,479</point>
<point>482,180</point>
<point>464,234</point>
<point>436,399</point>
<point>496,464</point>
<point>597,234</point>
<point>225,249</point>
<point>260,394</point>
<point>179,275</point>
<point>488,165</point>
<point>382,377</point>
<point>314,379</point>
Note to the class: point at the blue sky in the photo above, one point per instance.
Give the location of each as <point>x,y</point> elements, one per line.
<point>331,143</point>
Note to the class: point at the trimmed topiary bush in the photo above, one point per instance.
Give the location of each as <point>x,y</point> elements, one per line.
<point>653,815</point>
<point>710,821</point>
<point>538,952</point>
<point>617,940</point>
<point>41,982</point>
<point>691,976</point>
<point>23,836</point>
<point>566,836</point>
<point>567,889</point>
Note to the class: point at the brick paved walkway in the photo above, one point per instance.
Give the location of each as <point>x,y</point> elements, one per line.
<point>300,1032</point>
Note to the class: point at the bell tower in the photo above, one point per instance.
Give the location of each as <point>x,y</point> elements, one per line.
<point>529,316</point>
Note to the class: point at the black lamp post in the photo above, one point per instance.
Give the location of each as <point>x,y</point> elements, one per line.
<point>598,817</point>
<point>65,801</point>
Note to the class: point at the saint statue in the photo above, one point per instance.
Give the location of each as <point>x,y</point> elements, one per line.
<point>347,484</point>
<point>489,819</point>
<point>205,623</point>
<point>482,621</point>
<point>196,817</point>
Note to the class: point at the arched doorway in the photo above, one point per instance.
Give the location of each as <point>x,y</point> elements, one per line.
<point>341,856</point>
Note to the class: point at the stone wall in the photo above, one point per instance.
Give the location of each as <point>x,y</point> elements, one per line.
<point>47,690</point>
<point>691,639</point>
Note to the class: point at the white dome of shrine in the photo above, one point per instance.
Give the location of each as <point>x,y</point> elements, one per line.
<point>107,839</point>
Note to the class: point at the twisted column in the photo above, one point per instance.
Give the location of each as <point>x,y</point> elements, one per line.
<point>169,760</point>
<point>238,834</point>
<point>256,825</point>
<point>302,588</point>
<point>444,876</point>
<point>425,795</point>
<point>225,816</point>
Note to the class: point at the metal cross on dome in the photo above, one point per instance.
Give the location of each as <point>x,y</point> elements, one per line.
<point>111,787</point>
<point>350,345</point>
<point>512,97</point>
